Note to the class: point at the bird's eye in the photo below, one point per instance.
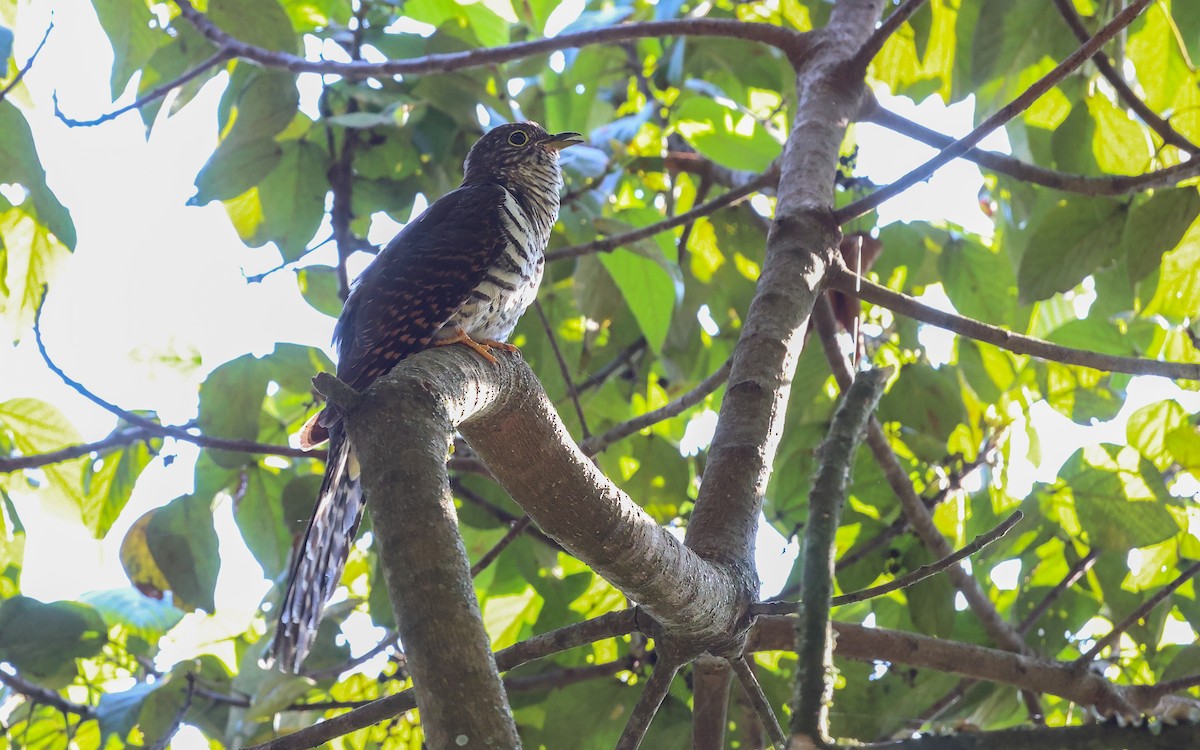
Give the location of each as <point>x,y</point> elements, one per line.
<point>518,138</point>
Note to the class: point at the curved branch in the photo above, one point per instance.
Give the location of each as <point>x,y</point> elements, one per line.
<point>1169,135</point>
<point>28,64</point>
<point>845,280</point>
<point>1004,114</point>
<point>118,439</point>
<point>1017,169</point>
<point>222,55</point>
<point>39,694</point>
<point>792,43</point>
<point>608,244</point>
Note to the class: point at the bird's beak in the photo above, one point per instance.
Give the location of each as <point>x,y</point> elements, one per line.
<point>559,141</point>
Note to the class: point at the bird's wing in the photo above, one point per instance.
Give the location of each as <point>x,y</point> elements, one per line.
<point>418,282</point>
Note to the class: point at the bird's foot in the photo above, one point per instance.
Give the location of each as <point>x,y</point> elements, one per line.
<point>483,347</point>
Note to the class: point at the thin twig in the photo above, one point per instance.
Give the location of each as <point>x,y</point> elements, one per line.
<point>179,433</point>
<point>673,408</point>
<point>1137,614</point>
<point>500,514</point>
<point>1077,571</point>
<point>1153,121</point>
<point>572,392</point>
<point>1012,109</point>
<point>622,360</point>
<point>28,63</point>
<point>220,56</point>
<point>490,556</point>
<point>845,280</point>
<point>758,699</point>
<point>908,579</point>
<point>1007,165</point>
<point>794,44</point>
<point>165,740</point>
<point>890,25</point>
<point>118,439</point>
<point>608,244</point>
<point>387,642</point>
<point>648,704</point>
<point>39,694</point>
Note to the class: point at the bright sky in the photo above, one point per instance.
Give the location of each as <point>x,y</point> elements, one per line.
<point>153,276</point>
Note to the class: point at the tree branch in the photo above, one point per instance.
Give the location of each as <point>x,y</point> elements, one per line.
<point>220,56</point>
<point>758,699</point>
<point>118,439</point>
<point>710,702</point>
<point>1137,614</point>
<point>890,26</point>
<point>647,706</point>
<point>4,92</point>
<point>1012,109</point>
<point>165,740</point>
<point>1007,165</point>
<point>1169,135</point>
<point>151,426</point>
<point>572,392</point>
<point>39,694</point>
<point>908,579</point>
<point>1077,571</point>
<point>814,642</point>
<point>845,280</point>
<point>673,408</point>
<point>608,244</point>
<point>792,43</point>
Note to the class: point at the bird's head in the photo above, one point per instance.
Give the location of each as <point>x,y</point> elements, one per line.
<point>517,153</point>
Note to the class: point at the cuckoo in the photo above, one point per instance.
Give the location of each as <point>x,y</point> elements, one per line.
<point>463,272</point>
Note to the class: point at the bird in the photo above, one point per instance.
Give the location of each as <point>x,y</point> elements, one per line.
<point>462,272</point>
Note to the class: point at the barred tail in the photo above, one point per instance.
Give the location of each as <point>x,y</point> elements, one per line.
<point>318,561</point>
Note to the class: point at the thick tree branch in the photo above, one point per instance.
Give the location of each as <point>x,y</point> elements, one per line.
<point>800,247</point>
<point>1169,135</point>
<point>792,43</point>
<point>4,92</point>
<point>814,638</point>
<point>1006,113</point>
<point>710,702</point>
<point>1007,165</point>
<point>845,280</point>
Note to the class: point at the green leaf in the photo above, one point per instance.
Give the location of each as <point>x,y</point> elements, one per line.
<point>35,427</point>
<point>727,136</point>
<point>1119,143</point>
<point>131,30</point>
<point>1149,426</point>
<point>263,23</point>
<point>930,602</point>
<point>234,168</point>
<point>260,517</point>
<point>43,640</point>
<point>231,398</point>
<point>293,197</point>
<point>12,547</point>
<point>310,15</point>
<point>979,281</point>
<point>648,290</point>
<point>183,52</point>
<point>1076,238</point>
<point>1156,226</point>
<point>182,541</point>
<point>118,713</point>
<point>146,618</point>
<point>1111,520</point>
<point>319,286</point>
<point>1177,296</point>
<point>108,481</point>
